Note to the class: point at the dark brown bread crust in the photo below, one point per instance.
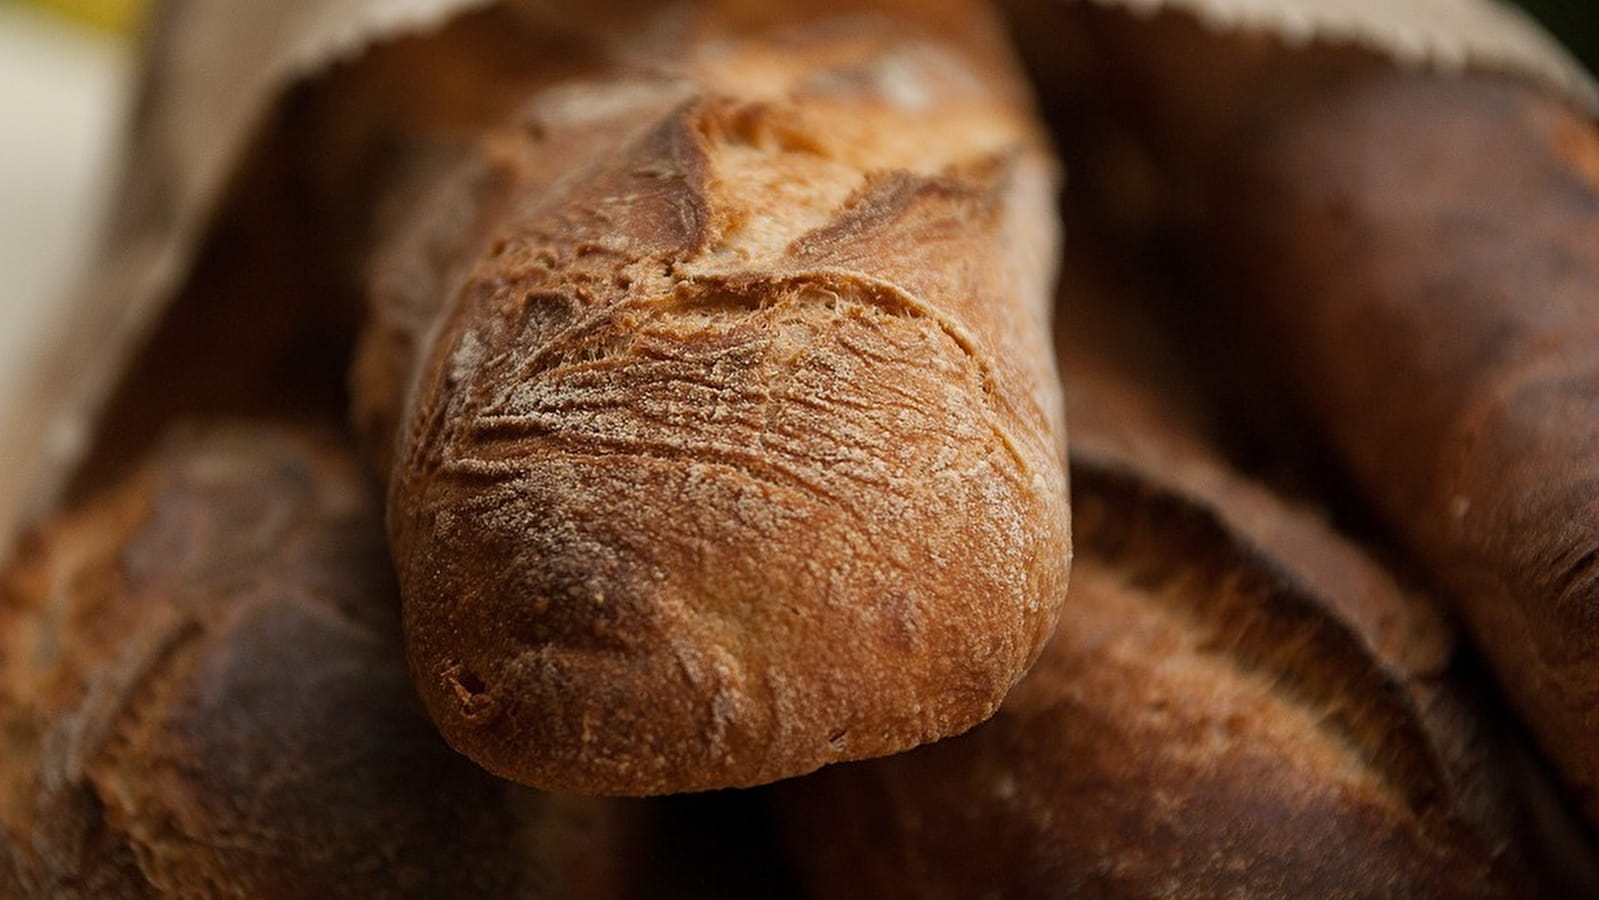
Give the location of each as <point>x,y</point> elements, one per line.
<point>734,448</point>
<point>1200,726</point>
<point>1418,257</point>
<point>202,696</point>
<point>1237,701</point>
<point>1135,405</point>
<point>1476,292</point>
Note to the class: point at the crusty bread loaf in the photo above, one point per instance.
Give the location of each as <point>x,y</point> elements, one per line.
<point>1416,257</point>
<point>202,695</point>
<point>725,437</point>
<point>1237,703</point>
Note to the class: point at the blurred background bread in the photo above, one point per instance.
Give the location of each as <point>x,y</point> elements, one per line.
<point>1396,276</point>
<point>1238,701</point>
<point>203,695</point>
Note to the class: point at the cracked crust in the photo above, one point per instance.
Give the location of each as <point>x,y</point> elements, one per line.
<point>1199,725</point>
<point>1238,701</point>
<point>203,696</point>
<point>737,450</point>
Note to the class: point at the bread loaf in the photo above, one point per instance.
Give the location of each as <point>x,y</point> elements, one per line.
<point>1416,257</point>
<point>202,694</point>
<point>725,439</point>
<point>1237,703</point>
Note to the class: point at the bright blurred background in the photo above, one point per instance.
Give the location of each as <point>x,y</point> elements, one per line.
<point>116,16</point>
<point>65,66</point>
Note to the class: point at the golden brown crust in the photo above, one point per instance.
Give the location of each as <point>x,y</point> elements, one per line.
<point>1199,726</point>
<point>734,449</point>
<point>1237,701</point>
<point>203,696</point>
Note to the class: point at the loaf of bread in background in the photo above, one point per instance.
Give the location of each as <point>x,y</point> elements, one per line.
<point>1414,259</point>
<point>1237,702</point>
<point>724,431</point>
<point>203,694</point>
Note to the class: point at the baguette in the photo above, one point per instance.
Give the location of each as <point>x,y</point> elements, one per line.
<point>1237,702</point>
<point>715,402</point>
<point>1416,257</point>
<point>202,694</point>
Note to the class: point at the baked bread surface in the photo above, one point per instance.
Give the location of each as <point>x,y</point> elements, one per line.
<point>203,694</point>
<point>1238,700</point>
<point>732,446</point>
